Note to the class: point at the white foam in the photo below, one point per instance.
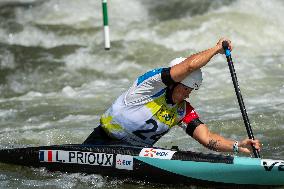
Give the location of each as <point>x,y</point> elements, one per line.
<point>83,58</point>
<point>32,36</point>
<point>79,118</point>
<point>250,24</point>
<point>124,13</point>
<point>16,1</point>
<point>253,27</point>
<point>63,12</point>
<point>282,89</point>
<point>82,92</point>
<point>42,126</point>
<point>69,91</point>
<point>33,94</point>
<point>17,87</point>
<point>4,113</point>
<point>7,60</point>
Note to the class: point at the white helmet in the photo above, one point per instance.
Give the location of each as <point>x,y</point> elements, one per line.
<point>194,79</point>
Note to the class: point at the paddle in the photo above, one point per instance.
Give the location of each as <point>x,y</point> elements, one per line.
<point>225,45</point>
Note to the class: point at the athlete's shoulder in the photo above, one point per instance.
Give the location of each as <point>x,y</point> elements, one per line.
<point>146,88</point>
<point>148,75</point>
<point>189,108</point>
<point>190,113</point>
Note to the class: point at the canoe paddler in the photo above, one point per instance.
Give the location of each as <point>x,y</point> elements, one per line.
<point>157,101</point>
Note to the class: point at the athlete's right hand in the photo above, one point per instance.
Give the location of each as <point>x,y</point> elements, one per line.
<point>219,46</point>
<point>245,145</point>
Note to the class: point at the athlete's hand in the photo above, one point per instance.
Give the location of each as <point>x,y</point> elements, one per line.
<point>219,46</point>
<point>245,145</point>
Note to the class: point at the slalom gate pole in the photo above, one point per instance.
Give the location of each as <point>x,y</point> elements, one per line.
<point>106,27</point>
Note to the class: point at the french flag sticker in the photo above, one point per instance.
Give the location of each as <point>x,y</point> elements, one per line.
<point>49,156</point>
<point>46,155</point>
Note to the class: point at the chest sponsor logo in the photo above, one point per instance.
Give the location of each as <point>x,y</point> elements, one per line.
<point>166,116</point>
<point>180,111</point>
<point>270,164</point>
<point>76,157</point>
<point>156,153</point>
<point>124,162</point>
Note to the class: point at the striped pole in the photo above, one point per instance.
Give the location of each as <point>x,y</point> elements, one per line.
<point>106,27</point>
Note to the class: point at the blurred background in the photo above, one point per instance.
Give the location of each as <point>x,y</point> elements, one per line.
<point>56,79</point>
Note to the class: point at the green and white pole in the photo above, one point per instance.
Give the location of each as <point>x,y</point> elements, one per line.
<point>106,27</point>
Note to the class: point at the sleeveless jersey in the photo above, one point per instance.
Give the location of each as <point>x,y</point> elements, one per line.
<point>142,115</point>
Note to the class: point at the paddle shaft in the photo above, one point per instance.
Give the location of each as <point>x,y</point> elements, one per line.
<point>239,95</point>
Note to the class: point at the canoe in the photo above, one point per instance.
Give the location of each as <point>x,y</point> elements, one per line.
<point>150,164</point>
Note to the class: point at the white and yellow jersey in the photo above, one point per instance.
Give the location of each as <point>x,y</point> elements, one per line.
<point>143,114</point>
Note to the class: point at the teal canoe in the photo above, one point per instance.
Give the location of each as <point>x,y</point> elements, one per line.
<point>151,164</point>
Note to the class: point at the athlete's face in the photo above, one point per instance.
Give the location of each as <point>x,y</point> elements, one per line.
<point>180,93</point>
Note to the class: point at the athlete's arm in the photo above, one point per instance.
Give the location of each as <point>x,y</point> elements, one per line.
<point>218,143</point>
<point>195,61</point>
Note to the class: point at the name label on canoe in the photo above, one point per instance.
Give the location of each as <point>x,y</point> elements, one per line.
<point>76,157</point>
<point>270,164</point>
<point>156,153</point>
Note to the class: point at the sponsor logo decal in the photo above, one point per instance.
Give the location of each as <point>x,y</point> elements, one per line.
<point>150,153</point>
<point>180,111</point>
<point>156,153</point>
<point>124,162</point>
<point>270,164</point>
<point>76,157</point>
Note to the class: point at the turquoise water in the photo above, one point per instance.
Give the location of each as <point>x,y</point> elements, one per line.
<point>56,79</point>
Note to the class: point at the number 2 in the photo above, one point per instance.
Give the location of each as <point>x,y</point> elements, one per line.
<point>155,137</point>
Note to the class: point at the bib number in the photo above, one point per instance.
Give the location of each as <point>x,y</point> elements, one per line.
<point>150,132</point>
